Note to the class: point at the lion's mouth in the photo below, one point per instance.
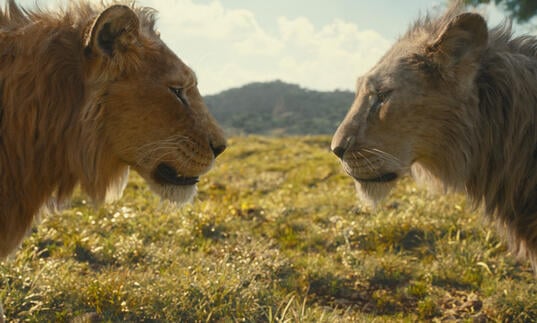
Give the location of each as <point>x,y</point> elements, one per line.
<point>388,177</point>
<point>167,175</point>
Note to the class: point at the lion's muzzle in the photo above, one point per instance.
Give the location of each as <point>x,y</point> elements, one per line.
<point>167,175</point>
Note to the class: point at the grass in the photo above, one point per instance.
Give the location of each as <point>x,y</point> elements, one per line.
<point>275,235</point>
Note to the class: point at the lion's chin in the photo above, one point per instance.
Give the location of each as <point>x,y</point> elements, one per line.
<point>175,193</point>
<point>372,193</point>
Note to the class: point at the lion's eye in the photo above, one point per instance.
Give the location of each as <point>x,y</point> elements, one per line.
<point>373,100</point>
<point>376,100</point>
<point>179,93</point>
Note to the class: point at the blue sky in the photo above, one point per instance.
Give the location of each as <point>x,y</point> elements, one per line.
<point>318,44</point>
<point>387,17</point>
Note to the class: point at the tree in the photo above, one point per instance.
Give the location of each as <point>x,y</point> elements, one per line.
<point>520,10</point>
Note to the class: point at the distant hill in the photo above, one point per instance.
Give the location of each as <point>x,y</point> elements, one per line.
<point>278,108</point>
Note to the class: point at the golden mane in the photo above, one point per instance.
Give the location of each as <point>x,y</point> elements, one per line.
<point>63,77</point>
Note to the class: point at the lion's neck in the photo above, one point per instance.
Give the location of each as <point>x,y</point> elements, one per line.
<point>504,165</point>
<point>47,147</point>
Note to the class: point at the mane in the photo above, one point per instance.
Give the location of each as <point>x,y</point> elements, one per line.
<point>76,13</point>
<point>47,133</point>
<point>496,144</point>
<point>508,165</point>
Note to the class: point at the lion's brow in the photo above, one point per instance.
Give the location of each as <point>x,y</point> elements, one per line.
<point>192,80</point>
<point>375,83</point>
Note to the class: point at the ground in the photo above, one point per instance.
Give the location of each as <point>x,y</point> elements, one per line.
<point>275,235</point>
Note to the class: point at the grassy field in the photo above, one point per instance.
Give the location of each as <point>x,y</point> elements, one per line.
<point>275,235</point>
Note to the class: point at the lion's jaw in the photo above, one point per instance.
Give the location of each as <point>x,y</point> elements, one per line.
<point>372,193</point>
<point>174,193</point>
<point>373,179</point>
<point>170,185</point>
<point>374,171</point>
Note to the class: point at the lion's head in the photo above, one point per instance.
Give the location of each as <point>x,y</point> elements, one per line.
<point>411,109</point>
<point>148,103</point>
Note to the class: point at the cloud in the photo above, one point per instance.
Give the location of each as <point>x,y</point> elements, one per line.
<point>228,47</point>
<point>329,57</point>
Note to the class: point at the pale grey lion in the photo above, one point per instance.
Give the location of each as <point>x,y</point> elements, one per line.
<point>455,104</point>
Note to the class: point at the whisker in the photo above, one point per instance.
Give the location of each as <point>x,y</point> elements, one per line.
<point>151,151</point>
<point>383,155</point>
<point>382,152</point>
<point>369,163</point>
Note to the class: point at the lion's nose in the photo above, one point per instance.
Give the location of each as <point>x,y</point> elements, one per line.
<point>217,150</point>
<point>339,151</point>
<point>340,145</point>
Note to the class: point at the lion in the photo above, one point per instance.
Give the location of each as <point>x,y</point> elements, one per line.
<point>86,94</point>
<point>454,105</point>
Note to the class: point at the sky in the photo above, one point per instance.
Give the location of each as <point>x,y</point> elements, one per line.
<point>318,44</point>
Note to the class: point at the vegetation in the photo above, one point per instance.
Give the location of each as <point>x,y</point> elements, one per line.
<point>278,108</point>
<point>521,10</point>
<point>276,235</point>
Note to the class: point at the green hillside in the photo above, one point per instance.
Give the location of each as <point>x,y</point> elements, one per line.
<point>279,108</point>
<point>275,235</point>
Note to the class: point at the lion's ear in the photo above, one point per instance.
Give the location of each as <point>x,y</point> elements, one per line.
<point>462,40</point>
<point>114,30</point>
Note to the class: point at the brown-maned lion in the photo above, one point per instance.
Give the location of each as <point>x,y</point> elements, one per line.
<point>84,95</point>
<point>456,104</point>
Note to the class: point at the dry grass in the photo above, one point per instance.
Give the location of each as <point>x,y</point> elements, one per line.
<point>276,235</point>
